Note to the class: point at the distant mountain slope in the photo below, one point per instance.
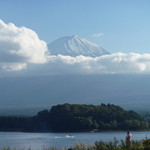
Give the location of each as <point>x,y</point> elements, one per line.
<point>74,46</point>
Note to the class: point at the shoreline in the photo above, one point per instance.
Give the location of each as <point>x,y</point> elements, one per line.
<point>98,131</point>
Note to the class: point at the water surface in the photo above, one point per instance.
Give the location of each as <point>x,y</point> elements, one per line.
<point>40,140</point>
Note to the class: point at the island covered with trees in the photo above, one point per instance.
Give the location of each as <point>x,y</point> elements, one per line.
<point>75,118</point>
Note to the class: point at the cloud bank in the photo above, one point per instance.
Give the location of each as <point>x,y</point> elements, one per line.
<point>21,51</point>
<point>20,46</point>
<point>117,63</point>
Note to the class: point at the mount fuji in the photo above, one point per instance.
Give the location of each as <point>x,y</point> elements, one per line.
<point>75,46</point>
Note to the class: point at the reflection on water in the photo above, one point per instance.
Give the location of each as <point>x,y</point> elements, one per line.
<point>45,140</point>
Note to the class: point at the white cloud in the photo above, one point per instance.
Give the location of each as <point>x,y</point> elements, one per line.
<point>98,35</point>
<point>117,63</point>
<point>20,46</point>
<point>13,66</point>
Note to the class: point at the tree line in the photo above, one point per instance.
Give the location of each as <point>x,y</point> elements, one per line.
<point>76,117</point>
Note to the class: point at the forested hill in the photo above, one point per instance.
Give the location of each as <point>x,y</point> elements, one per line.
<point>75,117</point>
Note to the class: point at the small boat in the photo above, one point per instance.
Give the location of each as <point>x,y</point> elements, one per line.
<point>69,136</point>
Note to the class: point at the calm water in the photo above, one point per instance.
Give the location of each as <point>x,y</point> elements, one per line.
<point>40,140</point>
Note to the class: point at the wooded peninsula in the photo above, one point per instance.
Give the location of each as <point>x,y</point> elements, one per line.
<point>76,118</point>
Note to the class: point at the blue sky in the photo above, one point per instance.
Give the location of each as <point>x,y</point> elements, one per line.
<point>124,24</point>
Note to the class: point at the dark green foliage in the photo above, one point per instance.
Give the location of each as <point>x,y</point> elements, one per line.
<point>75,117</point>
<point>146,144</point>
<point>113,145</point>
<point>16,123</point>
<point>145,115</point>
<point>89,117</point>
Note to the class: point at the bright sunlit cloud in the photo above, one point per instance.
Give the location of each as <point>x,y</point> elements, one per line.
<point>20,46</point>
<point>117,63</point>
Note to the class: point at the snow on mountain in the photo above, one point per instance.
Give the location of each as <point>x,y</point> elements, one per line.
<point>74,46</point>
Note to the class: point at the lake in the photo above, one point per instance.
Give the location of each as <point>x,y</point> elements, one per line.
<point>45,140</point>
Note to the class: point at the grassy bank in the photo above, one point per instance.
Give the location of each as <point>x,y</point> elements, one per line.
<point>113,145</point>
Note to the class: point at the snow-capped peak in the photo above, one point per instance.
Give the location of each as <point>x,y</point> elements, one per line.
<point>74,46</point>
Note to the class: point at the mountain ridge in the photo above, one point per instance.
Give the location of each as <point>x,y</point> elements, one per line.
<point>75,46</point>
